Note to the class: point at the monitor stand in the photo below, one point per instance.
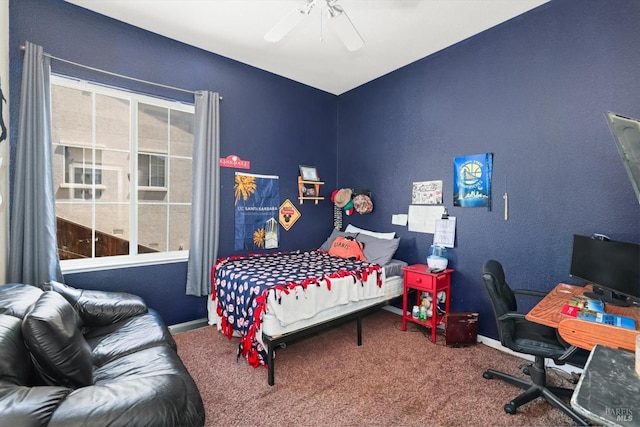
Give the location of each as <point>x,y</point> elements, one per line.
<point>607,296</point>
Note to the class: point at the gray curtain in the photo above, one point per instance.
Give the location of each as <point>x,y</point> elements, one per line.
<point>33,247</point>
<point>205,208</point>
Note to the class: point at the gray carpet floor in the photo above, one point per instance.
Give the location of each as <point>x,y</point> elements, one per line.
<point>395,378</point>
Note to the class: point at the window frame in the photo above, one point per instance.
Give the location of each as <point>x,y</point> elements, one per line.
<point>85,166</point>
<point>130,260</point>
<point>149,186</point>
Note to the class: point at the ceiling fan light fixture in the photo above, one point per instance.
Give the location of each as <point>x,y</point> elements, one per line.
<point>334,10</point>
<point>338,21</point>
<point>344,28</point>
<point>289,22</point>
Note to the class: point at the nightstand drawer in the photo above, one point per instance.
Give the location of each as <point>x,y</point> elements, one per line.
<point>419,280</point>
<point>430,281</point>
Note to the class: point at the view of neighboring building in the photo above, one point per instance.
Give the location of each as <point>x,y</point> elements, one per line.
<point>100,137</point>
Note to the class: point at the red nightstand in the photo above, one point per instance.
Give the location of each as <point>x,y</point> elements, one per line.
<point>417,277</point>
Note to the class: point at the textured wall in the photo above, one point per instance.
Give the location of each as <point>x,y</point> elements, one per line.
<point>533,91</point>
<point>271,121</point>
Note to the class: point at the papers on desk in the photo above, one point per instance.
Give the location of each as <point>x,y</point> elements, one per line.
<point>592,310</point>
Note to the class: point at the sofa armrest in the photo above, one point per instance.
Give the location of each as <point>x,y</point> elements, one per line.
<point>97,308</point>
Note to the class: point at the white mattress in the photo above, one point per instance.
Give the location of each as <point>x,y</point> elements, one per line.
<point>291,312</point>
<point>272,326</point>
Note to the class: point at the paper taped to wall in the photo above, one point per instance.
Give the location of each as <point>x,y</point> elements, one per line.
<point>422,218</point>
<point>445,234</point>
<point>399,219</point>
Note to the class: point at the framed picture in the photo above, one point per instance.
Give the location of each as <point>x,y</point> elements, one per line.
<point>308,173</point>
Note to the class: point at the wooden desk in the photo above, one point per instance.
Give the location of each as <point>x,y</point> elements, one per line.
<point>582,333</point>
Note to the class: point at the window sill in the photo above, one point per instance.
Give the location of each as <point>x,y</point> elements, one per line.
<point>145,188</point>
<point>124,261</point>
<point>84,186</point>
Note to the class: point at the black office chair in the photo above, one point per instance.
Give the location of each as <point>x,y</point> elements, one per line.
<point>523,336</point>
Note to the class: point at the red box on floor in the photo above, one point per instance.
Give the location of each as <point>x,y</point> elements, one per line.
<point>461,329</point>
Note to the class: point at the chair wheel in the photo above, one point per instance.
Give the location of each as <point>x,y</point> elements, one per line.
<point>510,408</point>
<point>487,375</point>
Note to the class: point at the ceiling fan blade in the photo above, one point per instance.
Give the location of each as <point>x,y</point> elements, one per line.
<point>344,28</point>
<point>289,22</point>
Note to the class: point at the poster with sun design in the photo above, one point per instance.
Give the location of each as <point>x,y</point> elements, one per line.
<point>472,180</point>
<point>257,200</point>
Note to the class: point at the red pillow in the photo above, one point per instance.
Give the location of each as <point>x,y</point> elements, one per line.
<point>348,248</point>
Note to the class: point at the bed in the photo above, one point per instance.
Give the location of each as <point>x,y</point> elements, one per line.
<point>270,299</point>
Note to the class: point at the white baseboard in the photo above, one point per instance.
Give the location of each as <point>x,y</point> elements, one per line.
<point>498,346</point>
<point>187,326</point>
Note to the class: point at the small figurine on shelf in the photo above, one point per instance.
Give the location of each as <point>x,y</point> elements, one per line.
<point>309,185</point>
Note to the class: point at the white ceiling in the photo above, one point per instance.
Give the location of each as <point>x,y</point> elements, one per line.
<point>396,32</point>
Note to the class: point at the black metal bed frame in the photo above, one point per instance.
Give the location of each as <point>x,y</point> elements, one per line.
<point>272,342</point>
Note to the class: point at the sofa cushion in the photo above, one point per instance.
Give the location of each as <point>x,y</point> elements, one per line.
<point>100,307</point>
<point>15,364</point>
<point>127,336</point>
<point>17,298</point>
<point>29,406</point>
<point>150,387</point>
<point>58,349</point>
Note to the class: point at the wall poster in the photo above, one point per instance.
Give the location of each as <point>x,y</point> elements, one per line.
<point>257,200</point>
<point>426,193</point>
<point>472,180</point>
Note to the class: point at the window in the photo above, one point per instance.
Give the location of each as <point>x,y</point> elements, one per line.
<point>122,175</point>
<point>82,172</point>
<point>151,171</point>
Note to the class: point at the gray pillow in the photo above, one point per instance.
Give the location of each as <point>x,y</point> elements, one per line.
<point>334,235</point>
<point>378,251</point>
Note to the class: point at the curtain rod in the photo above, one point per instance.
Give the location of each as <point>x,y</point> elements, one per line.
<point>23,48</point>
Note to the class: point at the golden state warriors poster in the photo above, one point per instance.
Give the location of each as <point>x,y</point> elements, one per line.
<point>472,180</point>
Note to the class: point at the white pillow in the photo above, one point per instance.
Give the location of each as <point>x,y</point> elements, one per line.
<point>353,229</point>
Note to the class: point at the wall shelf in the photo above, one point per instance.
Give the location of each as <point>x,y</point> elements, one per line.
<point>306,187</point>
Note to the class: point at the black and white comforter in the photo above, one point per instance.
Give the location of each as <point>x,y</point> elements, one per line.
<point>244,284</point>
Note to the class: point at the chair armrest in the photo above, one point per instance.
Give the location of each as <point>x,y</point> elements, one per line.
<point>566,355</point>
<point>530,292</point>
<point>511,315</point>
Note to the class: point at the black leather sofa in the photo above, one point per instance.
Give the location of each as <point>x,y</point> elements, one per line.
<point>72,357</point>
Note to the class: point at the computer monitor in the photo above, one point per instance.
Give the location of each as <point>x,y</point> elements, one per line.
<point>613,268</point>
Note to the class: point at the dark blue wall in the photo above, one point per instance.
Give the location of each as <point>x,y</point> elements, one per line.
<point>273,122</point>
<point>533,91</point>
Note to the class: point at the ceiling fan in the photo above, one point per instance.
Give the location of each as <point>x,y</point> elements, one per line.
<point>337,19</point>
